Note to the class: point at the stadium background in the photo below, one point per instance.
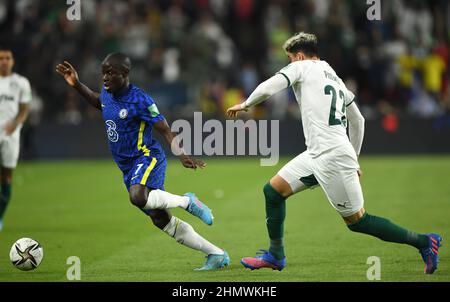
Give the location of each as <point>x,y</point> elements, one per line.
<point>205,55</point>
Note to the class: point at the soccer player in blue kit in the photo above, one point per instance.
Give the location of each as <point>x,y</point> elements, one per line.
<point>130,114</point>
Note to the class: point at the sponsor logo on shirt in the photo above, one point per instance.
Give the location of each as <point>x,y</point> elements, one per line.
<point>113,136</point>
<point>6,98</point>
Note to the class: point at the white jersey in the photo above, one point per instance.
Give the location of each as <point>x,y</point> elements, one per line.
<point>322,97</point>
<point>14,90</point>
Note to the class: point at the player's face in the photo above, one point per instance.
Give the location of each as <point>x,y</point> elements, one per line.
<point>6,62</point>
<point>114,79</point>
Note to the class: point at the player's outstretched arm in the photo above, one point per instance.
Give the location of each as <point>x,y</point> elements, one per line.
<point>171,139</point>
<point>68,72</point>
<point>264,91</point>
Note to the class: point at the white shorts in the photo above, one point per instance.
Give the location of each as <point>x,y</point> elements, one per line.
<point>9,150</point>
<point>335,171</point>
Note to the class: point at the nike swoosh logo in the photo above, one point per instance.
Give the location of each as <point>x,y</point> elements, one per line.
<point>134,177</point>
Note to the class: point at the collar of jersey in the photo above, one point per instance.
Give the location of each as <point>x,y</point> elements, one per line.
<point>124,94</point>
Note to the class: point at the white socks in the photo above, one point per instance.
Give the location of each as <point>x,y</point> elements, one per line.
<point>180,230</point>
<point>186,235</point>
<point>158,199</point>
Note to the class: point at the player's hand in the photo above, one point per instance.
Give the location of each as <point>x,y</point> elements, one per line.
<point>68,72</point>
<point>191,163</point>
<point>10,128</point>
<point>360,173</point>
<point>233,111</point>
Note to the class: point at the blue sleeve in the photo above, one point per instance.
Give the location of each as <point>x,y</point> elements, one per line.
<point>148,111</point>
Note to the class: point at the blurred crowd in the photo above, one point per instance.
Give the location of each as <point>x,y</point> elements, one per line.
<point>209,54</point>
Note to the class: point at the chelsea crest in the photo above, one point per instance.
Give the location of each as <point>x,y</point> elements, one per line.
<point>123,113</point>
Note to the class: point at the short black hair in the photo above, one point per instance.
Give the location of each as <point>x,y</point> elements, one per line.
<point>119,60</point>
<point>304,42</point>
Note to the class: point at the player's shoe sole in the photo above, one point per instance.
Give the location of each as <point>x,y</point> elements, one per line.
<point>266,260</point>
<point>199,209</point>
<point>430,254</point>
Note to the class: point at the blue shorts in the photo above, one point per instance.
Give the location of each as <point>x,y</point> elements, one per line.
<point>147,171</point>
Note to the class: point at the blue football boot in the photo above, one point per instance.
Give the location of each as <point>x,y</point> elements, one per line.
<point>199,209</point>
<point>214,262</point>
<point>430,253</point>
<point>264,259</point>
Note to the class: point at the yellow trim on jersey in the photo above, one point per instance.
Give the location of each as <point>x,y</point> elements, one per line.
<point>147,172</point>
<point>141,147</point>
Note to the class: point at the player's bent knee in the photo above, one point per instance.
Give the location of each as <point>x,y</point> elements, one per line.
<point>355,218</point>
<point>138,197</point>
<point>267,189</point>
<point>280,186</point>
<point>271,194</point>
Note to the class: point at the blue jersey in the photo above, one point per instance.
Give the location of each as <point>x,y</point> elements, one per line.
<point>129,117</point>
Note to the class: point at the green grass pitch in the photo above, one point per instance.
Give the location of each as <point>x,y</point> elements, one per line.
<point>81,208</point>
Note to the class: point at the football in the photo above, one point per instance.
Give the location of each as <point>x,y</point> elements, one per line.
<point>26,254</point>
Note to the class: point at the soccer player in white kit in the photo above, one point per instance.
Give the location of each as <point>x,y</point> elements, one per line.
<point>331,158</point>
<point>15,96</point>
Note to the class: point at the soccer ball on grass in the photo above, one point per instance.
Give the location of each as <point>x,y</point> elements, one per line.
<point>26,254</point>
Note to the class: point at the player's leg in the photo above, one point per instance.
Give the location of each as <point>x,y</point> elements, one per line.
<point>149,172</point>
<point>175,227</point>
<point>5,194</point>
<point>9,154</point>
<point>292,178</point>
<point>156,199</point>
<point>183,232</point>
<point>275,193</point>
<point>343,189</point>
<point>384,229</point>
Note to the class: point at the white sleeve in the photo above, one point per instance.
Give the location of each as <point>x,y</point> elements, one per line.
<point>293,72</point>
<point>355,127</point>
<point>25,91</point>
<point>349,98</point>
<point>265,90</point>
